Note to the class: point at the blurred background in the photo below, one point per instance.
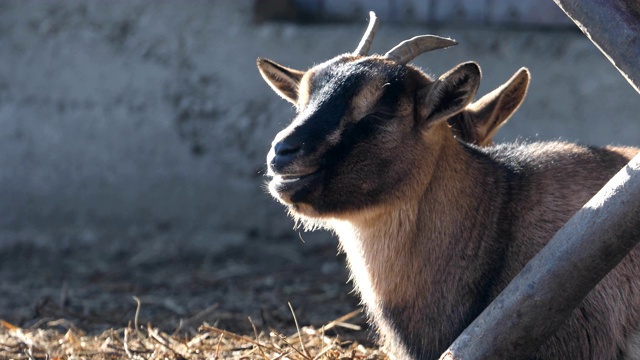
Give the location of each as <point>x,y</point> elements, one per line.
<point>133,137</point>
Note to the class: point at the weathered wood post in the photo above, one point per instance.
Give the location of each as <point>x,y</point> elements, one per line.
<point>537,302</point>
<point>614,27</point>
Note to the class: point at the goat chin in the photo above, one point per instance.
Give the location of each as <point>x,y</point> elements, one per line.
<point>306,223</point>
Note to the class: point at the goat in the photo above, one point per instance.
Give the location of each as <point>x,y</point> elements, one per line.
<point>434,227</point>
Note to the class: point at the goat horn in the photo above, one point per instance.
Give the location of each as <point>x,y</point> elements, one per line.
<point>410,49</point>
<point>367,38</point>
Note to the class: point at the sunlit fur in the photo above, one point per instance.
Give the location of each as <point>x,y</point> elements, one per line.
<point>434,227</point>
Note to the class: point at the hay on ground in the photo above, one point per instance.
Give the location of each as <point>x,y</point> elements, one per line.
<point>47,341</point>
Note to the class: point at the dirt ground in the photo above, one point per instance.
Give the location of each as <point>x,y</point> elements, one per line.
<point>92,288</point>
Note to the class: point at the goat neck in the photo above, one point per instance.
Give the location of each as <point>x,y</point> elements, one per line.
<point>407,260</point>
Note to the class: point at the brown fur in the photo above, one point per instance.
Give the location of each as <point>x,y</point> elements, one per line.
<point>432,239</point>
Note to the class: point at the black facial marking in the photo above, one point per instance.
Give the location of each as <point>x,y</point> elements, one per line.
<point>334,86</point>
<point>353,133</point>
<point>331,90</point>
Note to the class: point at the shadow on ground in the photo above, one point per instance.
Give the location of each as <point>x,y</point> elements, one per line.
<point>92,288</point>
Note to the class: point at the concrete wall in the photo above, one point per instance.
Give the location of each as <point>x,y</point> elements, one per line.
<point>127,117</point>
<point>537,13</point>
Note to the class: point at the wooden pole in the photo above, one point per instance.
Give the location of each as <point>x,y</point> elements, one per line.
<point>614,27</point>
<point>537,302</point>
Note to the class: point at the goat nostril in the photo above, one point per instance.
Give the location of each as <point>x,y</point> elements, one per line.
<point>282,148</point>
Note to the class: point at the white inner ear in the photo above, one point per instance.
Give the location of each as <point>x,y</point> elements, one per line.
<point>280,81</point>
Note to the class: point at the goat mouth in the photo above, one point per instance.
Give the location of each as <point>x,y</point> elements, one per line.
<point>287,184</point>
<point>292,178</point>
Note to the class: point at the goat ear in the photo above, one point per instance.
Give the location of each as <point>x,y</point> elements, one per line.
<point>494,109</point>
<point>283,80</point>
<point>451,92</point>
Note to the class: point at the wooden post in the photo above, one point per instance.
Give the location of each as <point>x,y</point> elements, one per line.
<point>614,27</point>
<point>537,302</point>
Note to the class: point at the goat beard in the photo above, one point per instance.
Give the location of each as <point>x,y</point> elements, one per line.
<point>304,222</point>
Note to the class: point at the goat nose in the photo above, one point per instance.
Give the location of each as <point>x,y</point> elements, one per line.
<point>284,148</point>
<point>283,154</point>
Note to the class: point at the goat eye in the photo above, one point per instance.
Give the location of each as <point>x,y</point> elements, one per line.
<point>376,116</point>
<point>373,117</point>
<point>368,117</point>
